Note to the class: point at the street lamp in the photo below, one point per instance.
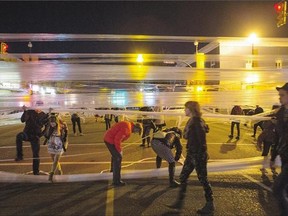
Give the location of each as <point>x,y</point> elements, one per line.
<point>140,59</point>
<point>253,39</point>
<point>196,46</point>
<point>30,46</point>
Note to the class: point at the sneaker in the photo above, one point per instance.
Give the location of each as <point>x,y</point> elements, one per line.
<point>142,145</point>
<point>119,184</point>
<point>81,134</point>
<point>237,138</point>
<point>18,159</point>
<point>207,209</point>
<point>50,178</point>
<point>253,136</point>
<point>230,136</point>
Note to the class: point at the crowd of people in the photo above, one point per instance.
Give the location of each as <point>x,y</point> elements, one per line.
<point>273,138</point>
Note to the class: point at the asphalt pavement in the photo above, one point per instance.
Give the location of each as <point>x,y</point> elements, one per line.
<point>236,192</point>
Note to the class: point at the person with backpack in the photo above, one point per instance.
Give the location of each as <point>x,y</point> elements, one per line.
<point>56,135</point>
<point>236,110</point>
<point>162,143</point>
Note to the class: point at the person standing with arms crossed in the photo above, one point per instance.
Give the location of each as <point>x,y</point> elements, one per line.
<point>113,139</point>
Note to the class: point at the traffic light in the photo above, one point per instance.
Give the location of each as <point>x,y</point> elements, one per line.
<point>281,8</point>
<point>4,48</point>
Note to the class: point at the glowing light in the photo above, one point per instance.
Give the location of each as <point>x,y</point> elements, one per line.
<point>35,88</point>
<point>252,78</point>
<point>199,88</point>
<point>119,98</point>
<point>140,59</point>
<point>253,38</point>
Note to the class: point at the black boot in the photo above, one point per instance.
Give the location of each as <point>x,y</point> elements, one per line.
<point>173,182</point>
<point>274,172</point>
<point>143,143</point>
<point>182,191</point>
<point>207,209</point>
<point>148,141</point>
<point>158,162</point>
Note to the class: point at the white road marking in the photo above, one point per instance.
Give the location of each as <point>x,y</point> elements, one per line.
<point>257,182</point>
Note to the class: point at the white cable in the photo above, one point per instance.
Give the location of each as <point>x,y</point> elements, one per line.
<point>221,166</point>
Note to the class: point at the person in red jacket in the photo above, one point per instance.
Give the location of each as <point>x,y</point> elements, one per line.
<point>113,138</point>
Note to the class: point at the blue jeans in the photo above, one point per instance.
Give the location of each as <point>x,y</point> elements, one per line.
<point>116,160</point>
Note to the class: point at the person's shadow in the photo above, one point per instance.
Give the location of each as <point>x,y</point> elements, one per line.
<point>229,145</point>
<point>178,204</point>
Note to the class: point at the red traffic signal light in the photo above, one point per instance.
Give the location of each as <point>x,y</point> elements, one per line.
<point>4,48</point>
<point>279,7</point>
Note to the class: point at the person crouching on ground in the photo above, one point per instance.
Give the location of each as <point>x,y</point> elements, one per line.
<point>113,139</point>
<point>57,138</point>
<point>162,144</point>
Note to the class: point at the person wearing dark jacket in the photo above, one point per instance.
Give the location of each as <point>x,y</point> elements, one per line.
<point>236,110</point>
<point>147,123</point>
<point>75,119</point>
<point>197,156</point>
<point>108,118</point>
<point>162,143</point>
<point>281,182</point>
<point>34,122</point>
<point>258,110</point>
<point>265,142</point>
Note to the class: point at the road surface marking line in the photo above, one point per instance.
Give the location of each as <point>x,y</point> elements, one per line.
<point>257,182</point>
<point>110,201</point>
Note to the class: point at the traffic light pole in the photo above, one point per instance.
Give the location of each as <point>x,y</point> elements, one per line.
<point>281,8</point>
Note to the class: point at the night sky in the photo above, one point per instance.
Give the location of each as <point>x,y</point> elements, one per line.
<point>179,18</point>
